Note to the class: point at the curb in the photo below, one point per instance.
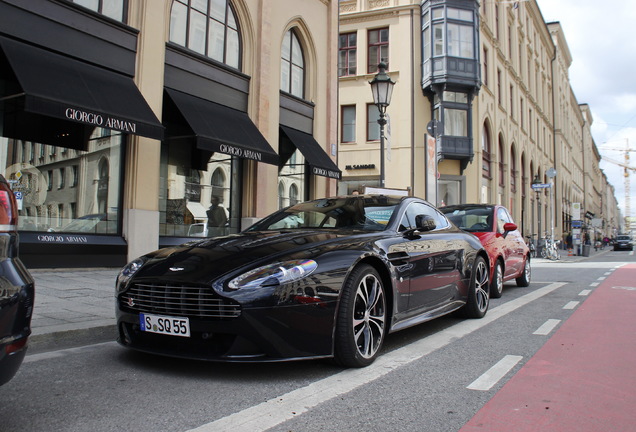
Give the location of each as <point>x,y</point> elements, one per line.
<point>39,343</point>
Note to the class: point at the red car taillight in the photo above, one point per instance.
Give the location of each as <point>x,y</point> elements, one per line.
<point>8,209</point>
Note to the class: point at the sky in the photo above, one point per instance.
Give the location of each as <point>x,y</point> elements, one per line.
<point>601,37</point>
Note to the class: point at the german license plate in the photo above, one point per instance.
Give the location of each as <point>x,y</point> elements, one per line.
<point>175,326</point>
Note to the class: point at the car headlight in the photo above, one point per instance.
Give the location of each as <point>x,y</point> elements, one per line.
<point>274,274</point>
<point>128,272</point>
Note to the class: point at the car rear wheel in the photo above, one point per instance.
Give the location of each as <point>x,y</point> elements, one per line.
<point>496,289</point>
<point>524,279</point>
<point>361,323</point>
<point>478,291</point>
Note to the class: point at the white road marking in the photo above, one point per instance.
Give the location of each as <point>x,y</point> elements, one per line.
<point>625,288</point>
<point>571,305</point>
<point>290,405</point>
<point>608,273</point>
<point>585,292</point>
<point>583,265</point>
<point>547,327</point>
<point>594,284</point>
<point>602,278</point>
<point>493,375</point>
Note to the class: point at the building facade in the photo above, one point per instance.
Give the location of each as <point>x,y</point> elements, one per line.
<point>126,125</point>
<point>487,83</point>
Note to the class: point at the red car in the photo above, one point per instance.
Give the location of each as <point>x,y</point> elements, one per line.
<point>509,255</point>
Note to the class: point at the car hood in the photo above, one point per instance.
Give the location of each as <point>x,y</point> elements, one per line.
<point>206,260</point>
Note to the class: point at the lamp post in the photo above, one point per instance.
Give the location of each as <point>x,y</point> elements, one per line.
<point>538,191</point>
<point>382,89</point>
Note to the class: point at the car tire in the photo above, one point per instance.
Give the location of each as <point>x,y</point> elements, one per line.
<point>362,318</point>
<point>496,287</point>
<point>524,280</point>
<point>478,291</point>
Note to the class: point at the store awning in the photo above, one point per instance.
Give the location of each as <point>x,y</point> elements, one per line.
<point>319,161</point>
<point>217,128</point>
<point>197,210</point>
<point>50,97</point>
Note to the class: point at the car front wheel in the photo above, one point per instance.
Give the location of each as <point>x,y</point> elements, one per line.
<point>478,291</point>
<point>361,323</point>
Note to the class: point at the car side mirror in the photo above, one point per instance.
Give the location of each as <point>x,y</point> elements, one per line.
<point>509,227</point>
<point>425,223</point>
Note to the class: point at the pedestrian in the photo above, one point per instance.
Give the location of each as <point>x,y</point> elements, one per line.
<point>216,217</point>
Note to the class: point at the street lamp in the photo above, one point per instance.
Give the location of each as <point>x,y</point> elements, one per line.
<point>382,89</point>
<point>536,181</point>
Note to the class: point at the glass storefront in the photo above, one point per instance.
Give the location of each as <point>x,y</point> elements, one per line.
<point>66,190</point>
<point>292,181</point>
<point>198,203</point>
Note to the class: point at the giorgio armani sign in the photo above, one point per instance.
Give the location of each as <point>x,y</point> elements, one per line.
<point>100,120</point>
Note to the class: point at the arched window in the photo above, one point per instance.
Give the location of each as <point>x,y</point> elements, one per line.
<point>524,176</point>
<point>293,194</point>
<point>292,66</point>
<point>501,162</point>
<point>208,27</point>
<point>281,195</point>
<point>513,170</point>
<point>485,152</point>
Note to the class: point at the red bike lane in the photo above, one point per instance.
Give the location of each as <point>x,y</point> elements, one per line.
<point>584,377</point>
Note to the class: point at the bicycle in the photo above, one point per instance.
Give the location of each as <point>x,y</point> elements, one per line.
<point>550,249</point>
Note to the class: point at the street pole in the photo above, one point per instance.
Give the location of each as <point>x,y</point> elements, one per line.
<point>382,123</point>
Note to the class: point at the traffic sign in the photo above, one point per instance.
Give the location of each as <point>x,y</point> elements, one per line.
<point>541,185</point>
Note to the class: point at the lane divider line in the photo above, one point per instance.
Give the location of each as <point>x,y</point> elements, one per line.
<point>493,375</point>
<point>547,327</point>
<point>279,409</point>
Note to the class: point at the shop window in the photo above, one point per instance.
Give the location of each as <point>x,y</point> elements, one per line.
<point>91,206</point>
<point>208,27</point>
<point>292,180</point>
<point>198,202</point>
<point>378,49</point>
<point>347,54</point>
<point>114,9</point>
<point>292,66</point>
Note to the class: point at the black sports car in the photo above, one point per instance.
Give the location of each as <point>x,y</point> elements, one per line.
<point>324,278</point>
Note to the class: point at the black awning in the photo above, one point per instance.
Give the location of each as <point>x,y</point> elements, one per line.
<point>319,161</point>
<point>217,128</point>
<point>59,96</point>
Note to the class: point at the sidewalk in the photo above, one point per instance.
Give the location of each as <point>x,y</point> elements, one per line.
<point>74,304</point>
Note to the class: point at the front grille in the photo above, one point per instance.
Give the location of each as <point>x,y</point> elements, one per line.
<point>179,300</point>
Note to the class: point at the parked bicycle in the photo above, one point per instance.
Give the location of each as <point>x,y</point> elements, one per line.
<point>530,243</point>
<point>550,249</point>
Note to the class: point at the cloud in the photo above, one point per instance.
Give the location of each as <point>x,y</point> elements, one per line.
<point>601,75</point>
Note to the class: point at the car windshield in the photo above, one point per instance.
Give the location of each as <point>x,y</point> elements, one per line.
<point>472,219</point>
<point>370,213</point>
<point>622,237</point>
